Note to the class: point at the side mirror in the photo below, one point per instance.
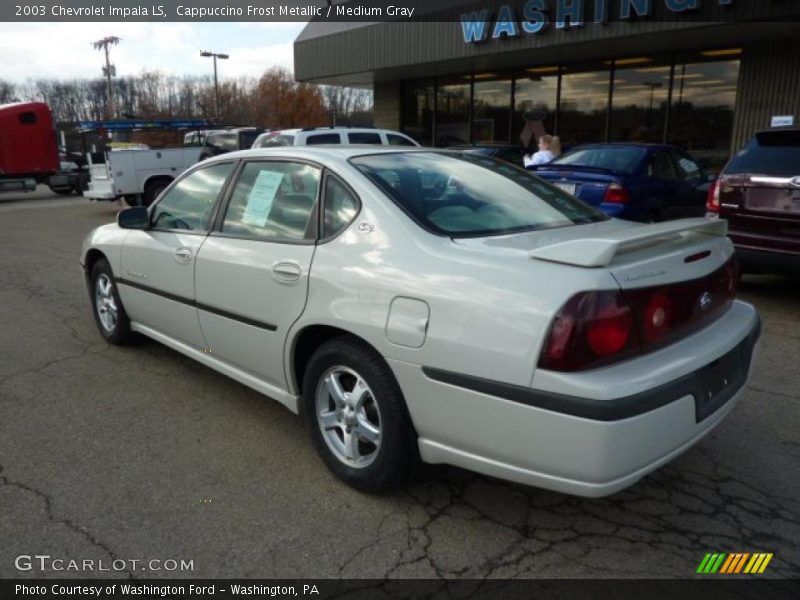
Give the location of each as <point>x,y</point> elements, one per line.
<point>136,217</point>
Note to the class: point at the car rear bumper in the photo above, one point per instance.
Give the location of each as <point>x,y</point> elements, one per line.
<point>570,444</point>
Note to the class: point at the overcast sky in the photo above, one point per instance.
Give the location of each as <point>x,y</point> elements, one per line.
<point>64,50</point>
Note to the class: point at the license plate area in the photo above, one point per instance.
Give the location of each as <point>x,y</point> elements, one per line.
<point>717,382</point>
<point>773,200</point>
<point>566,186</point>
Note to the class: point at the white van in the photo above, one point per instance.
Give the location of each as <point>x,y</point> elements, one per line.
<point>332,135</point>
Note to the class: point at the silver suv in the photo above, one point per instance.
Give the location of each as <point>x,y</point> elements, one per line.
<point>332,135</point>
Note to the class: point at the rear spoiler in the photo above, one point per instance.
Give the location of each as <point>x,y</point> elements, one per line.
<point>600,252</point>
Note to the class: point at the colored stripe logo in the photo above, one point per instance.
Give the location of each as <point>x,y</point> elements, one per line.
<point>734,563</point>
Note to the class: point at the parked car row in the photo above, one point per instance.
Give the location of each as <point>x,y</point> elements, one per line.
<point>758,191</point>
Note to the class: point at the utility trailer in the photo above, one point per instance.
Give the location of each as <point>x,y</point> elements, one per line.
<point>138,175</point>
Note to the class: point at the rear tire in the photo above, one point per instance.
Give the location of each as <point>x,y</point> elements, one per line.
<point>109,313</point>
<point>357,416</point>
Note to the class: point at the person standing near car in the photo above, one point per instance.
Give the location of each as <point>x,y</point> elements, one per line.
<point>549,149</point>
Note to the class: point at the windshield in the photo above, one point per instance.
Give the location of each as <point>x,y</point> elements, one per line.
<point>471,195</point>
<point>620,160</point>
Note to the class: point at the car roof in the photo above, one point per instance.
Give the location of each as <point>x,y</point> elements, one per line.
<point>485,145</point>
<point>642,145</point>
<point>324,151</point>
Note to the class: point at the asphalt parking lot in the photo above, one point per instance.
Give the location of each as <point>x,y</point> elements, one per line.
<point>139,453</point>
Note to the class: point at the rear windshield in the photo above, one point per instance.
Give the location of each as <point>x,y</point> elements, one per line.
<point>769,153</point>
<point>619,160</point>
<point>463,195</point>
<point>275,140</point>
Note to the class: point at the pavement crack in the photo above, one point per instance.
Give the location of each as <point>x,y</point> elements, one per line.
<point>48,505</point>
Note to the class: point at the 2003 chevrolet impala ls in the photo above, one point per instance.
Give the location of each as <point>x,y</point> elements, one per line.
<point>425,304</point>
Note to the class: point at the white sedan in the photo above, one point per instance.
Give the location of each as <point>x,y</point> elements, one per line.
<point>417,303</point>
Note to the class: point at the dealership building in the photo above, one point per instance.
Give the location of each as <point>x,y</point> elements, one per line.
<point>702,74</point>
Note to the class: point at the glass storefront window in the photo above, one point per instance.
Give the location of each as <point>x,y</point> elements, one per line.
<point>583,112</point>
<point>639,102</point>
<point>452,112</point>
<point>699,118</point>
<point>491,109</point>
<point>535,98</point>
<point>703,104</point>
<point>418,99</point>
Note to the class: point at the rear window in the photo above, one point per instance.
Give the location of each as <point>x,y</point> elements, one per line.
<point>619,160</point>
<point>27,118</point>
<point>274,141</point>
<point>364,138</point>
<point>398,140</point>
<point>464,195</point>
<point>223,141</point>
<point>769,153</point>
<point>323,138</point>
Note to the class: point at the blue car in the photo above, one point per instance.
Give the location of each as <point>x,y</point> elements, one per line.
<point>638,182</point>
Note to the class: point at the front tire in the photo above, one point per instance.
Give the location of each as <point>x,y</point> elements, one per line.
<point>109,314</point>
<point>357,416</point>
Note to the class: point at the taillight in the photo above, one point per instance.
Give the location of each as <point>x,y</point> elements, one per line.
<point>616,194</point>
<point>601,327</point>
<point>712,201</point>
<point>591,329</point>
<point>656,317</point>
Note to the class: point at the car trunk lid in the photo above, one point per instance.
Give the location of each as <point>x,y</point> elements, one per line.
<point>587,183</point>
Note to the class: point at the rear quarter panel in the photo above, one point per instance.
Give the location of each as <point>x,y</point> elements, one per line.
<point>489,309</point>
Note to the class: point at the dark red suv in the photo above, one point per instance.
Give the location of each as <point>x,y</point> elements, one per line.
<point>758,193</point>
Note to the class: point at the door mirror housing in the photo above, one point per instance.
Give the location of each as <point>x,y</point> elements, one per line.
<point>136,217</point>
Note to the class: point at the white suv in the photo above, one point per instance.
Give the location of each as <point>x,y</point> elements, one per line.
<point>332,135</point>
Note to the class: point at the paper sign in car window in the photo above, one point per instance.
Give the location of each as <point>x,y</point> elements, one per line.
<point>259,202</point>
<point>688,165</point>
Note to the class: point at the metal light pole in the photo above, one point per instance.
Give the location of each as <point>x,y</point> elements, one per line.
<point>109,70</point>
<point>215,56</point>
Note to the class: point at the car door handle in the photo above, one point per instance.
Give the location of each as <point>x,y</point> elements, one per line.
<point>183,255</point>
<point>286,271</point>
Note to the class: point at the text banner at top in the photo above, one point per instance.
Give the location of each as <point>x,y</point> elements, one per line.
<point>525,14</point>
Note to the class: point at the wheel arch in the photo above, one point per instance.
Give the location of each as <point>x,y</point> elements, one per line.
<point>303,345</point>
<point>157,178</point>
<point>90,260</point>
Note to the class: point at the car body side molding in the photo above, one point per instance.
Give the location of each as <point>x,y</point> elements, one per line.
<point>197,305</point>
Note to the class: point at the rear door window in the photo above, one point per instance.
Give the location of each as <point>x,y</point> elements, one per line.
<point>323,138</point>
<point>661,166</point>
<point>364,137</point>
<point>775,153</point>
<point>274,201</point>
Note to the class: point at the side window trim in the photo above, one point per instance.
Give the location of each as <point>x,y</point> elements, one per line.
<point>327,175</point>
<point>217,201</point>
<point>222,209</point>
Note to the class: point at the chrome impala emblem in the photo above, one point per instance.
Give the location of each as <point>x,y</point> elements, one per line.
<point>795,181</point>
<point>706,300</point>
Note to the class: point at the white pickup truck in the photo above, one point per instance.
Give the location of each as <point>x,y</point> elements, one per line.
<point>136,175</point>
